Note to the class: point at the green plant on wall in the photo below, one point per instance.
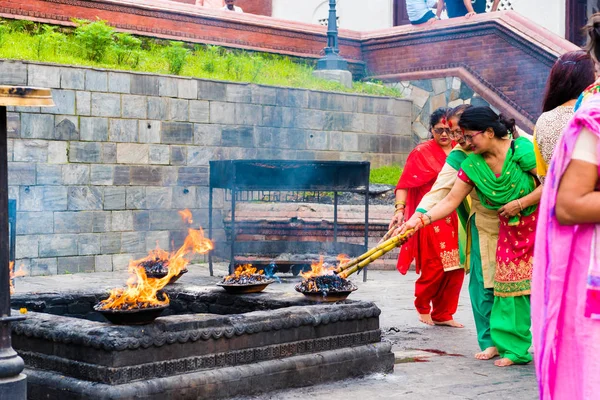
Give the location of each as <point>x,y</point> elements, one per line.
<point>127,49</point>
<point>94,38</point>
<point>176,56</point>
<point>48,38</point>
<point>388,175</point>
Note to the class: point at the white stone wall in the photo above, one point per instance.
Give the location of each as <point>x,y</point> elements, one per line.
<point>352,14</point>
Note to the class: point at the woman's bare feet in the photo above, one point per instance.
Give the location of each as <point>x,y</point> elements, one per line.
<point>426,319</point>
<point>452,323</point>
<point>487,354</point>
<point>503,362</point>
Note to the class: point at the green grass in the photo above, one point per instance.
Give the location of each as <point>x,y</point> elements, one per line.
<point>388,175</point>
<point>21,40</point>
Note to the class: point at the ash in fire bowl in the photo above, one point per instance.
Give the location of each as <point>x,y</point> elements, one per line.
<point>322,284</point>
<point>245,279</point>
<point>159,268</point>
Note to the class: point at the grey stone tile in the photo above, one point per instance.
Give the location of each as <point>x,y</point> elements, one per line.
<point>35,223</point>
<point>177,133</point>
<point>43,76</point>
<point>178,155</point>
<point>72,78</point>
<point>158,108</point>
<point>207,134</point>
<point>34,126</point>
<point>141,220</point>
<point>136,198</point>
<point>158,198</point>
<point>178,110</point>
<point>64,102</point>
<point>297,98</point>
<point>83,103</point>
<point>26,246</point>
<point>101,221</point>
<point>72,222</point>
<point>21,173</point>
<point>159,154</point>
<point>272,116</point>
<point>106,104</point>
<point>134,106</point>
<point>187,88</point>
<point>123,130</point>
<point>119,82</point>
<point>66,127</point>
<point>132,153</point>
<point>166,220</point>
<point>317,140</point>
<point>30,151</point>
<point>122,175</point>
<point>167,86</point>
<point>54,198</point>
<point>114,198</point>
<point>149,131</point>
<point>158,239</point>
<point>13,73</point>
<point>88,244</point>
<point>13,125</point>
<point>93,129</point>
<point>71,265</point>
<point>264,95</point>
<point>199,111</point>
<point>110,243</point>
<point>146,175</point>
<point>85,152</point>
<point>85,198</point>
<point>144,84</point>
<point>57,152</point>
<point>192,176</point>
<point>183,197</point>
<point>133,242</point>
<point>248,114</point>
<point>48,174</point>
<point>211,90</point>
<point>109,153</point>
<point>197,155</point>
<point>239,93</point>
<point>122,221</point>
<point>237,136</point>
<point>103,263</point>
<point>31,198</point>
<point>222,113</point>
<point>96,81</point>
<point>43,266</point>
<point>102,175</point>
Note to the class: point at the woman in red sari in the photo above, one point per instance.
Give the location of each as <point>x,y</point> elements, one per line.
<point>435,248</point>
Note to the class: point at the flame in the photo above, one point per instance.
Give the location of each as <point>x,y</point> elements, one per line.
<point>319,269</point>
<point>12,275</point>
<point>246,270</point>
<point>186,215</point>
<point>141,291</point>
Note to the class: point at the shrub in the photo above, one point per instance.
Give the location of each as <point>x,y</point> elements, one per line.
<point>176,56</point>
<point>387,175</point>
<point>48,38</point>
<point>94,38</point>
<point>127,49</point>
<point>210,58</point>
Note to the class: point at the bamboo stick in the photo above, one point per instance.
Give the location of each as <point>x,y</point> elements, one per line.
<point>394,240</point>
<point>367,261</point>
<point>388,234</point>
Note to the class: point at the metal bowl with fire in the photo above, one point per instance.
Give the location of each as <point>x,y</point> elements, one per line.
<point>142,301</point>
<point>245,279</point>
<point>328,283</point>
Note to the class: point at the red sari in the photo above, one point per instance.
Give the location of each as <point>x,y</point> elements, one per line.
<point>435,247</point>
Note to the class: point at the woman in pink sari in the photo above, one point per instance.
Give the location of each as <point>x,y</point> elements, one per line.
<point>565,294</point>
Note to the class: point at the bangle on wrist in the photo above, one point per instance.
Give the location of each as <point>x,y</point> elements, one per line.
<point>399,210</point>
<point>430,220</point>
<point>520,205</point>
<point>422,220</point>
<point>400,202</point>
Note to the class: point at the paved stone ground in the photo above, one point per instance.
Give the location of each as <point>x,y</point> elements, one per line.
<point>435,362</point>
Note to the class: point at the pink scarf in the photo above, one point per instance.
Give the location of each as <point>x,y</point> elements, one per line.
<point>555,244</point>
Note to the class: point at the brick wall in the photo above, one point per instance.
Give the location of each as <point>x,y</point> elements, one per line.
<point>99,178</point>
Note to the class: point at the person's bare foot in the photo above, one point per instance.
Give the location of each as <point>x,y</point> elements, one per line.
<point>426,319</point>
<point>452,323</point>
<point>487,354</point>
<point>503,362</point>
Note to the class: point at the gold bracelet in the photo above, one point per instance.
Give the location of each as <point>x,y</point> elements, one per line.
<point>520,205</point>
<point>429,216</point>
<point>398,211</point>
<point>401,202</point>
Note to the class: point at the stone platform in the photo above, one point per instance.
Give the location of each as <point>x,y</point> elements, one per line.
<point>212,345</point>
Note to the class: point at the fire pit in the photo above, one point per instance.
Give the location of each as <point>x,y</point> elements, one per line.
<point>208,344</point>
<point>134,316</point>
<point>245,279</point>
<point>326,288</point>
<point>159,268</point>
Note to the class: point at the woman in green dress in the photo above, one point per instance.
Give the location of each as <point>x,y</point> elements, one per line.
<point>502,172</point>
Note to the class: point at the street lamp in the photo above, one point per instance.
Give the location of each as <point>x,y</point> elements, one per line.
<point>332,66</point>
<point>13,384</point>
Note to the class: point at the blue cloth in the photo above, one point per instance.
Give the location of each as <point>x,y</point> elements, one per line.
<point>456,8</point>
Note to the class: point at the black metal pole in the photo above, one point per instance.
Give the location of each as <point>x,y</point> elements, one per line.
<point>13,384</point>
<point>232,258</point>
<point>332,59</point>
<point>335,221</point>
<point>367,218</point>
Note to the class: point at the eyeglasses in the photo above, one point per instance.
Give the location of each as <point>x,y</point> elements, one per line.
<point>439,131</point>
<point>455,134</point>
<point>469,138</point>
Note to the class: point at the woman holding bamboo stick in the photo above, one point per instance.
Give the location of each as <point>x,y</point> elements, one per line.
<point>434,249</point>
<point>481,226</point>
<point>503,173</point>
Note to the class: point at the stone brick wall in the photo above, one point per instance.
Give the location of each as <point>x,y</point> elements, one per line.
<point>99,178</point>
